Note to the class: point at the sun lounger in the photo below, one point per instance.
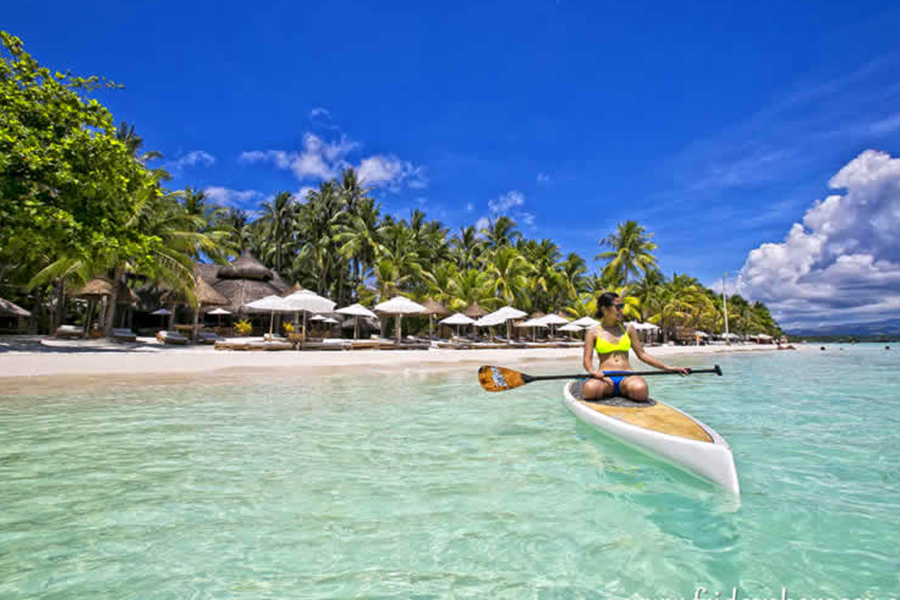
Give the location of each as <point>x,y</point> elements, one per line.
<point>69,331</point>
<point>122,334</point>
<point>327,344</point>
<point>171,337</point>
<point>208,337</point>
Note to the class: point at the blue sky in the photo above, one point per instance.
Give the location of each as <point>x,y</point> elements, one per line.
<point>718,126</point>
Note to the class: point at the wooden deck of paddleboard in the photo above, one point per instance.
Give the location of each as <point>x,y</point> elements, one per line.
<point>658,417</point>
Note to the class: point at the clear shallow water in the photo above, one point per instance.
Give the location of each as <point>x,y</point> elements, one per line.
<point>422,486</point>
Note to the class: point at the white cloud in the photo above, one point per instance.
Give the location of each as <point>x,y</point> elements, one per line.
<point>482,223</point>
<point>842,263</point>
<point>390,172</point>
<point>543,178</point>
<point>318,111</point>
<point>470,207</point>
<point>197,157</point>
<point>320,160</point>
<point>504,203</point>
<point>233,198</point>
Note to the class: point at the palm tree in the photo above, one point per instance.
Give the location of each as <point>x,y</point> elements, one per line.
<point>630,252</point>
<point>466,247</point>
<point>509,271</point>
<point>357,236</point>
<point>278,222</point>
<point>501,231</point>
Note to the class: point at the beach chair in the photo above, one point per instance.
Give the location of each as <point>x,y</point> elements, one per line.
<point>171,337</point>
<point>208,337</point>
<point>69,331</point>
<point>122,334</point>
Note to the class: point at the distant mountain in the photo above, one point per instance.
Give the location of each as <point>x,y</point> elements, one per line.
<point>887,327</point>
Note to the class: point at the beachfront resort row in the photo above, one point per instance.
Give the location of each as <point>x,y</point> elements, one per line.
<point>243,298</point>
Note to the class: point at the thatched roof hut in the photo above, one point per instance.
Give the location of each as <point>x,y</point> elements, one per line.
<point>243,281</point>
<point>203,292</point>
<point>100,287</point>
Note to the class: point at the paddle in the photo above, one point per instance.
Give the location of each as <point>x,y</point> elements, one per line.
<point>500,379</point>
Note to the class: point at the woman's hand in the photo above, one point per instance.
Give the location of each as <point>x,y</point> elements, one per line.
<point>601,376</point>
<point>679,370</point>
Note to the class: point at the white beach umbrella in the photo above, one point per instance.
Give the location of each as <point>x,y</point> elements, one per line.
<point>552,320</point>
<point>457,319</point>
<point>330,321</point>
<point>399,306</point>
<point>219,312</point>
<point>571,327</point>
<point>356,311</point>
<point>586,322</point>
<point>307,301</point>
<point>533,324</point>
<point>317,318</point>
<point>271,304</point>
<point>502,315</point>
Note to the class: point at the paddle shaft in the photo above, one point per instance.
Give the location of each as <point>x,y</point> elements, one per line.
<point>530,378</point>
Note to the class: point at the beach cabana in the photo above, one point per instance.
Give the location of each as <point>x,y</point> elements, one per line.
<point>399,306</point>
<point>552,320</point>
<point>457,319</point>
<point>433,309</point>
<point>204,295</point>
<point>533,324</point>
<point>356,311</point>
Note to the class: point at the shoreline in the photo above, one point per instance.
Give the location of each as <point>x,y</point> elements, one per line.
<point>84,365</point>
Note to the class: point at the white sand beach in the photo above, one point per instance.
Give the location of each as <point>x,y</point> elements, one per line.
<point>24,362</point>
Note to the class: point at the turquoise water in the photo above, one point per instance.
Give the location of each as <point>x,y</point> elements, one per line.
<point>403,485</point>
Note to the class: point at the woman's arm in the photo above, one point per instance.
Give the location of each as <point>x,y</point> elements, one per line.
<point>590,339</point>
<point>639,352</point>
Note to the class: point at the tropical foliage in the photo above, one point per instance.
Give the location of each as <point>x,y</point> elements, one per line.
<point>80,199</point>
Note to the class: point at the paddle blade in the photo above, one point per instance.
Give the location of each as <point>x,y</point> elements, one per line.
<point>498,379</point>
<point>718,370</point>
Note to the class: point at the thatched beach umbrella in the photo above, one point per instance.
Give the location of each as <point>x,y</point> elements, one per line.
<point>553,320</point>
<point>204,294</point>
<point>94,291</point>
<point>399,306</point>
<point>433,309</point>
<point>475,311</point>
<point>292,290</point>
<point>356,311</point>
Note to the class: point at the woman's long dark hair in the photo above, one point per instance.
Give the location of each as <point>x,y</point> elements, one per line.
<point>605,299</point>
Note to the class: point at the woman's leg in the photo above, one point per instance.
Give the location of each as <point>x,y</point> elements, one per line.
<point>634,388</point>
<point>595,388</point>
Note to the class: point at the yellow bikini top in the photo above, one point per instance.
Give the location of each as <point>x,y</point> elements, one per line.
<point>623,345</point>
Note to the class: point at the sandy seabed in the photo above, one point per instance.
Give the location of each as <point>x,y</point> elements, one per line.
<point>41,365</point>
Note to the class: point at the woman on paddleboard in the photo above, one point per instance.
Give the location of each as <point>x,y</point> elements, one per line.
<point>611,340</point>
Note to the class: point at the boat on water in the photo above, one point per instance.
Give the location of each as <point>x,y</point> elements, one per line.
<point>659,430</point>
